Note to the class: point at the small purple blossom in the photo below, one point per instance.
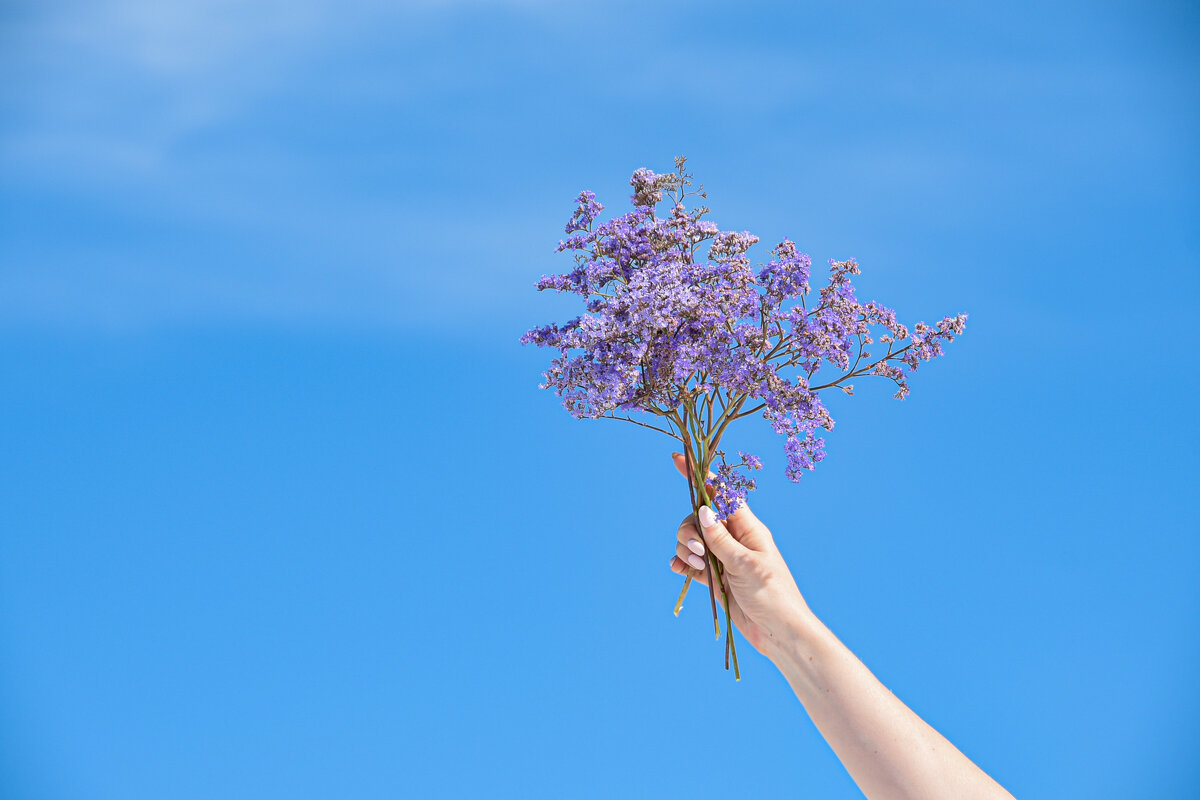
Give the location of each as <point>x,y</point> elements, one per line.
<point>585,214</point>
<point>733,483</point>
<point>751,461</point>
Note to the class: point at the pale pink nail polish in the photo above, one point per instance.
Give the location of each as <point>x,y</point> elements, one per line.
<point>696,561</point>
<point>707,518</point>
<point>696,547</point>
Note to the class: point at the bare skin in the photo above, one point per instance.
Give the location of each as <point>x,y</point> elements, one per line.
<point>890,752</point>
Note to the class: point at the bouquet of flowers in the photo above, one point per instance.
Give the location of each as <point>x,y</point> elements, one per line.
<point>682,330</point>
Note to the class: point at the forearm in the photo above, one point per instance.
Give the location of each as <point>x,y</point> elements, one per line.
<point>890,752</point>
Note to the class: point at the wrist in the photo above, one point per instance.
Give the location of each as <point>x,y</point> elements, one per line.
<point>791,634</point>
<point>803,649</point>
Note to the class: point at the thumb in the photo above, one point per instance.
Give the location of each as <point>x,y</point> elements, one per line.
<point>718,539</point>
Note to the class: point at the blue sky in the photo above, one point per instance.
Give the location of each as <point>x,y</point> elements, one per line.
<point>283,513</point>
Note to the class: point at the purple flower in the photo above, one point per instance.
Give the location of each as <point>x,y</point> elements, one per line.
<point>681,328</point>
<point>585,214</point>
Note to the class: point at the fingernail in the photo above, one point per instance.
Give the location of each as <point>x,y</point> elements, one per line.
<point>696,547</point>
<point>707,518</point>
<point>696,561</point>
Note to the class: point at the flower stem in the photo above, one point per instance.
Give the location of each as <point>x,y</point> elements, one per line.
<point>730,647</point>
<point>698,494</point>
<point>712,560</point>
<point>683,593</point>
<point>690,461</point>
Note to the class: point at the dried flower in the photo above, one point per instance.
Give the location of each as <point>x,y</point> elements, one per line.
<point>696,338</point>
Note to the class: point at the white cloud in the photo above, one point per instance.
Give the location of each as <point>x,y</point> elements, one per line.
<point>159,115</point>
<point>186,38</point>
<point>148,72</point>
<point>189,37</point>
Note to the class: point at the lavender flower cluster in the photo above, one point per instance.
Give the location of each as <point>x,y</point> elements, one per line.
<point>681,326</point>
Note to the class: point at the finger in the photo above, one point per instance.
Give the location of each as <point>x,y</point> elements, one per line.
<point>718,539</point>
<point>688,535</point>
<point>688,557</point>
<point>681,568</point>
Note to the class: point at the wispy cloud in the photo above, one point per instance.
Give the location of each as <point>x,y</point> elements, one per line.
<point>125,79</point>
<point>314,159</point>
<point>144,119</point>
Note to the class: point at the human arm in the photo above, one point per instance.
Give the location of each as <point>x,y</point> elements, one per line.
<point>889,751</point>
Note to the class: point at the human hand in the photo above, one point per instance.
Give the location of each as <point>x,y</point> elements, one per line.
<point>763,596</point>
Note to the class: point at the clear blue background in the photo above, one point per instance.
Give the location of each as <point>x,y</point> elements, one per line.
<point>283,513</point>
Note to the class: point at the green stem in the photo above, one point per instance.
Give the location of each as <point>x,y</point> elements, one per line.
<point>683,592</point>
<point>730,647</point>
<point>697,465</point>
<point>702,496</point>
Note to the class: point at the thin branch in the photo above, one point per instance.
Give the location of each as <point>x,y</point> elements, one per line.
<point>642,424</point>
<point>862,371</point>
<point>716,439</point>
<point>750,411</point>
